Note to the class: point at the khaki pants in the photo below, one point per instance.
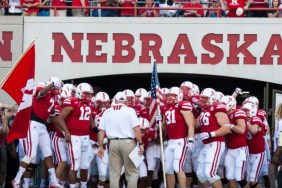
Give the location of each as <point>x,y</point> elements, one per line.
<point>78,13</point>
<point>118,156</point>
<point>29,14</point>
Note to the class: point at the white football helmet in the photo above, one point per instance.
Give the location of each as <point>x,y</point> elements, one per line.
<point>68,90</point>
<point>250,109</point>
<point>186,88</point>
<point>210,94</point>
<point>129,93</point>
<point>102,96</point>
<point>195,90</point>
<point>252,100</point>
<point>144,123</point>
<point>229,102</point>
<point>187,84</point>
<point>102,100</point>
<point>178,92</point>
<point>219,95</point>
<point>57,82</point>
<point>164,91</point>
<point>82,90</point>
<point>141,91</point>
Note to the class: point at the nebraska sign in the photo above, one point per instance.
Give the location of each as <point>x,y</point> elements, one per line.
<point>84,47</point>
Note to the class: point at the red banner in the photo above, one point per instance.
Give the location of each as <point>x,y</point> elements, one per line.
<point>19,85</point>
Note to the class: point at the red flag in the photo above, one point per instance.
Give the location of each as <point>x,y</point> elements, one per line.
<point>19,85</point>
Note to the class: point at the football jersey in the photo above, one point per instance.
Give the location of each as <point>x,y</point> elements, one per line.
<point>235,140</point>
<point>58,110</point>
<point>256,142</point>
<point>78,121</point>
<point>149,137</point>
<point>262,115</point>
<point>143,112</point>
<point>44,106</point>
<point>175,122</point>
<point>196,109</point>
<point>97,115</point>
<point>209,122</point>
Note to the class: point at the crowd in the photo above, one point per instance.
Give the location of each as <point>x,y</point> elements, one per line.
<point>102,8</point>
<point>84,140</point>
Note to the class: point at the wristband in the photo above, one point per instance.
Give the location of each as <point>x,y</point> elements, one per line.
<point>211,134</point>
<point>191,140</point>
<point>140,144</point>
<point>231,126</point>
<point>95,130</point>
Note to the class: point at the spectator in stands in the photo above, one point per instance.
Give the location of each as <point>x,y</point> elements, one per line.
<point>275,13</point>
<point>13,11</point>
<point>61,12</point>
<point>2,10</point>
<point>193,13</point>
<point>127,12</point>
<point>232,6</point>
<point>30,7</point>
<point>215,13</point>
<point>257,4</point>
<point>80,12</point>
<point>94,12</point>
<point>149,12</point>
<point>108,12</point>
<point>44,11</point>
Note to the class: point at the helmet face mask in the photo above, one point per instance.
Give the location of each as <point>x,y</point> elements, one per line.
<point>250,109</point>
<point>207,97</point>
<point>229,102</point>
<point>84,92</point>
<point>102,100</point>
<point>144,125</point>
<point>186,88</point>
<point>175,95</point>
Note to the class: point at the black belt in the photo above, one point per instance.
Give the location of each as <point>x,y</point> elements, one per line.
<point>121,138</point>
<point>38,119</point>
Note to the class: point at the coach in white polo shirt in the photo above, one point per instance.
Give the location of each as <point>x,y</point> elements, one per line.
<point>121,125</point>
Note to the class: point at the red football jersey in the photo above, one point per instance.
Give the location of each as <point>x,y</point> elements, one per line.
<point>78,121</point>
<point>235,140</point>
<point>209,122</point>
<point>143,112</point>
<point>97,115</point>
<point>256,142</point>
<point>176,125</point>
<point>58,109</point>
<point>43,107</point>
<point>149,137</point>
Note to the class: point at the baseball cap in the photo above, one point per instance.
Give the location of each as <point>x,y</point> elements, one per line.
<point>120,96</point>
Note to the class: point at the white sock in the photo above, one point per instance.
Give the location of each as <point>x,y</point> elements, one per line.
<point>72,185</point>
<point>63,183</point>
<point>19,175</point>
<point>100,186</point>
<point>83,184</point>
<point>52,175</point>
<point>26,182</point>
<point>43,183</point>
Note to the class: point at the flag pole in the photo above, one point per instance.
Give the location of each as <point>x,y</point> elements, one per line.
<point>17,62</point>
<point>161,140</point>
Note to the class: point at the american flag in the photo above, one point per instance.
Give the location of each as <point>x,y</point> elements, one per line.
<point>155,95</point>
